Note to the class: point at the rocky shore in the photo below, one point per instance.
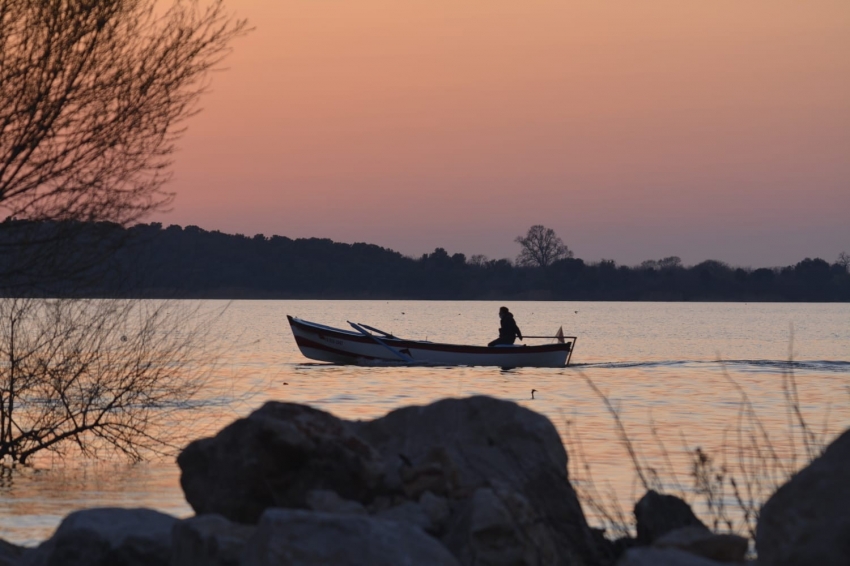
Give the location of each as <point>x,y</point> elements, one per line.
<point>474,481</point>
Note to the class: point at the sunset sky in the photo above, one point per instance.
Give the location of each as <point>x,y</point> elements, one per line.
<point>637,130</point>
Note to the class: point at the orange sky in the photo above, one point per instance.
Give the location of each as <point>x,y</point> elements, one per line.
<point>637,130</point>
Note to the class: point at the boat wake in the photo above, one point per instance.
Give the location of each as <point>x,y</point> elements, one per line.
<point>754,366</point>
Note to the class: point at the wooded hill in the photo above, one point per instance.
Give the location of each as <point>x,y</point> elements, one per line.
<point>151,261</point>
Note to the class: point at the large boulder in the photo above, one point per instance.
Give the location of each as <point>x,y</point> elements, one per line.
<point>274,458</point>
<point>505,470</point>
<point>498,527</point>
<point>722,547</point>
<point>287,537</point>
<point>488,477</point>
<point>10,553</point>
<point>411,513</point>
<point>807,520</point>
<point>658,514</point>
<point>651,556</point>
<point>330,502</point>
<point>208,540</point>
<point>107,537</point>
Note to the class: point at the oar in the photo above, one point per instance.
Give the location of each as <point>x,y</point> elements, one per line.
<point>378,330</point>
<point>362,331</point>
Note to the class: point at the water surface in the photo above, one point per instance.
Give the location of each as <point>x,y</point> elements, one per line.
<point>670,370</point>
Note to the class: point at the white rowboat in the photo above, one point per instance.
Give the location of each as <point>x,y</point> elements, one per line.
<point>362,347</point>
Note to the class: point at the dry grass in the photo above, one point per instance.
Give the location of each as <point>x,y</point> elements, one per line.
<point>726,489</point>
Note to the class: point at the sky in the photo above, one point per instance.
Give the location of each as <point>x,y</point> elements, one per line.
<point>636,130</point>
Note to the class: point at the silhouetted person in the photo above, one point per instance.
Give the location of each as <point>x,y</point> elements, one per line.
<point>508,331</point>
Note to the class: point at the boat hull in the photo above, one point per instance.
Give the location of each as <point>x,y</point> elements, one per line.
<point>328,344</point>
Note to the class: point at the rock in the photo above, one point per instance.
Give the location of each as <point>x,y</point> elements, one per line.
<point>330,502</point>
<point>504,529</point>
<point>287,537</point>
<point>208,540</point>
<point>469,470</point>
<point>435,472</point>
<point>807,520</point>
<point>107,537</point>
<point>408,512</point>
<point>650,556</point>
<point>274,458</point>
<point>437,508</point>
<point>658,514</point>
<point>455,447</point>
<point>696,540</point>
<point>10,553</point>
<point>382,503</point>
<point>621,544</point>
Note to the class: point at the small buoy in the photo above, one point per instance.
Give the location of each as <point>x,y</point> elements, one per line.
<point>285,383</point>
<point>532,393</point>
<point>576,312</point>
<point>123,338</point>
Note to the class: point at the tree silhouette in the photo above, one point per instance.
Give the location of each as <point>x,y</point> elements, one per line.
<point>844,261</point>
<point>93,97</point>
<point>92,375</point>
<point>541,247</point>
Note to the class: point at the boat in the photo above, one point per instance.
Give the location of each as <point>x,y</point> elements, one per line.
<point>365,345</point>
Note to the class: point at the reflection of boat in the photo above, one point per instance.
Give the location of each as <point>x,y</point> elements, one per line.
<point>369,346</point>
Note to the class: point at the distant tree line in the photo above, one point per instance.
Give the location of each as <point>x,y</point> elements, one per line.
<point>155,261</point>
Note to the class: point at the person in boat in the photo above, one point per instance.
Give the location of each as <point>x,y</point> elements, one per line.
<point>508,331</point>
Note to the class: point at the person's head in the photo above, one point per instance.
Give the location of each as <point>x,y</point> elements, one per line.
<point>503,311</point>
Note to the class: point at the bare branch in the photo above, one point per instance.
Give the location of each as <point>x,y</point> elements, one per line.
<point>97,374</point>
<point>93,98</point>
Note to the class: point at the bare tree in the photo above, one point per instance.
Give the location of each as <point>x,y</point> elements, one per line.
<point>541,247</point>
<point>93,375</point>
<point>93,97</point>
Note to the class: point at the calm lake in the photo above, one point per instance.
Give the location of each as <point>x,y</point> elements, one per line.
<point>674,372</point>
